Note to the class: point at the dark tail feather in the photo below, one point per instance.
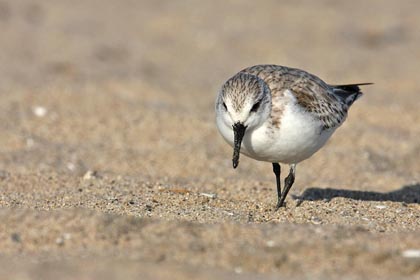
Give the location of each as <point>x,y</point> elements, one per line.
<point>351,87</point>
<point>349,93</point>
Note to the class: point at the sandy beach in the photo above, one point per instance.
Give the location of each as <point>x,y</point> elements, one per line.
<point>111,166</point>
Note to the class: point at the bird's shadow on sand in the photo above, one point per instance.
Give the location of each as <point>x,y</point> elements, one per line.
<point>406,194</point>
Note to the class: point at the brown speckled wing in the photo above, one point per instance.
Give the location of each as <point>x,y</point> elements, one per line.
<point>312,94</point>
<point>317,100</point>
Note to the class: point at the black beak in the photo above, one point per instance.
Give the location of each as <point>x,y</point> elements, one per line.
<point>238,132</point>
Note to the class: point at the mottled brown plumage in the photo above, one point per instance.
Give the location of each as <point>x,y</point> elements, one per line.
<point>311,93</point>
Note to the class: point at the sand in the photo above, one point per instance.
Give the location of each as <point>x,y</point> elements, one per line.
<point>111,166</point>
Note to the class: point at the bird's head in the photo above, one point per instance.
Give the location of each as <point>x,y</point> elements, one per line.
<point>244,103</point>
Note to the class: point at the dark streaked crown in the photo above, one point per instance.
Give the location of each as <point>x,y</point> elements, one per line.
<point>241,87</point>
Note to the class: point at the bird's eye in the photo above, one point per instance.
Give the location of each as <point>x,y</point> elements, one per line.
<point>224,105</point>
<point>256,106</point>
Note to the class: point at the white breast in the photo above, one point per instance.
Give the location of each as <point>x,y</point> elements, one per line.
<point>298,137</point>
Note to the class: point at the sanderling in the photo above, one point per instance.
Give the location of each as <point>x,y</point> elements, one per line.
<point>280,115</point>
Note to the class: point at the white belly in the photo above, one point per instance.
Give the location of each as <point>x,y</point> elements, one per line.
<point>298,138</point>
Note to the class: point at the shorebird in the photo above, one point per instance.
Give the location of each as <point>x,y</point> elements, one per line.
<point>280,114</point>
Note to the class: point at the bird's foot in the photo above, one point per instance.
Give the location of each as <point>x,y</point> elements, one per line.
<point>280,203</point>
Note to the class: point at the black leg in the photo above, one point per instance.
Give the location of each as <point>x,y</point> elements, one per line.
<point>288,182</point>
<point>276,170</point>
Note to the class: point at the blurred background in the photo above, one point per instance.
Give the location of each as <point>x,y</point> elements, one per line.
<point>137,79</point>
<point>123,92</point>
